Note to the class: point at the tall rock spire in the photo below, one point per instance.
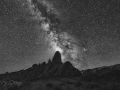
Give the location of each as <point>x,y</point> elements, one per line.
<point>57,58</point>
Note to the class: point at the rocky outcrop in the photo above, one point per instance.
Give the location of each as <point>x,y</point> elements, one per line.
<point>58,69</point>
<point>54,68</point>
<point>67,69</point>
<point>57,58</point>
<point>49,62</point>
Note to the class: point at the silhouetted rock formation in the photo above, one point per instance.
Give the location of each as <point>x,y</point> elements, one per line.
<point>67,69</point>
<point>54,68</point>
<point>49,62</point>
<point>90,79</point>
<point>57,68</point>
<point>57,58</point>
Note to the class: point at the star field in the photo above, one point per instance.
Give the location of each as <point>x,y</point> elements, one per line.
<point>92,25</point>
<point>95,24</point>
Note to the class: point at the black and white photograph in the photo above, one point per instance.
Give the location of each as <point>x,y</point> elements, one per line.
<point>59,44</point>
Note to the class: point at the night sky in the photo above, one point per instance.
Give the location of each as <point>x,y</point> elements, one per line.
<point>86,32</point>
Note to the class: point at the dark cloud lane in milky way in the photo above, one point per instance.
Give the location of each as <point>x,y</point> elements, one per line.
<point>85,32</point>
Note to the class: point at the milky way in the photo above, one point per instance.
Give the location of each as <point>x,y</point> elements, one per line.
<point>56,39</point>
<point>86,32</point>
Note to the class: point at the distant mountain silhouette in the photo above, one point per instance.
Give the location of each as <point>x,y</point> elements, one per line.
<point>106,74</point>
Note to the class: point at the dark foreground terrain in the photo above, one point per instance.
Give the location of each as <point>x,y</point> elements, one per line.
<point>56,75</point>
